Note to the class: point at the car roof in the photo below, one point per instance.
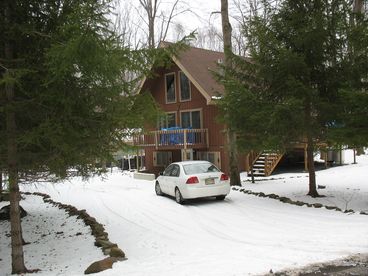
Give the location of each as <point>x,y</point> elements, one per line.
<point>190,162</point>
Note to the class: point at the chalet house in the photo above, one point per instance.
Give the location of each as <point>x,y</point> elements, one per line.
<point>187,93</point>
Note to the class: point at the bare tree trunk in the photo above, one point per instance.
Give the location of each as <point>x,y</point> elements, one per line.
<point>310,150</point>
<point>1,183</point>
<point>231,136</point>
<point>311,169</point>
<point>150,7</point>
<point>354,152</point>
<point>11,129</point>
<point>358,6</point>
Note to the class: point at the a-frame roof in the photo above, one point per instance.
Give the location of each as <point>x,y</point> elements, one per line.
<point>198,65</point>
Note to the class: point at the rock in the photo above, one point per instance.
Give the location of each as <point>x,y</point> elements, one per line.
<point>317,205</point>
<point>273,196</point>
<point>97,229</point>
<point>5,212</point>
<point>90,220</point>
<point>330,207</point>
<point>106,251</point>
<point>299,203</point>
<point>117,252</point>
<point>105,244</point>
<point>286,200</point>
<point>101,265</point>
<point>321,187</point>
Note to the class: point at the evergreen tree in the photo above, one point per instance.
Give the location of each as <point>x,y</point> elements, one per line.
<point>293,87</point>
<point>64,102</point>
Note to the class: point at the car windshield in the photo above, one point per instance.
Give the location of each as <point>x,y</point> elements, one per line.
<point>200,168</point>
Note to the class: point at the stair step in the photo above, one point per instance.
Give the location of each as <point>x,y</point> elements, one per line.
<point>259,174</point>
<point>265,160</point>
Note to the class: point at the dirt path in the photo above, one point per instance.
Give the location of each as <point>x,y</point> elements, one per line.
<point>354,265</point>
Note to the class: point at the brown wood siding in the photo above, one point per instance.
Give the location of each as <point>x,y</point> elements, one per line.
<point>209,117</point>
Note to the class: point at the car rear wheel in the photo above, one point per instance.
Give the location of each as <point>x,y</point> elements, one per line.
<point>158,189</point>
<point>221,197</point>
<point>178,197</point>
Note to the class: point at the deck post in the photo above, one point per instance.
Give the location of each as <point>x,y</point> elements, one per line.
<point>207,138</point>
<point>156,140</point>
<point>184,157</point>
<point>185,139</point>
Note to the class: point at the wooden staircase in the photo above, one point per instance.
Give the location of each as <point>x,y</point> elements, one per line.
<point>266,163</point>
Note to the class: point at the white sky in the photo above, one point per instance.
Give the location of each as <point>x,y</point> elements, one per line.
<point>202,14</point>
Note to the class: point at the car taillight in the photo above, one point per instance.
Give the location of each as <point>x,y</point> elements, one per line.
<point>192,180</point>
<point>224,177</point>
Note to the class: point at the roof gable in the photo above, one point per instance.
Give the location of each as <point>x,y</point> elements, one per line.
<point>199,64</point>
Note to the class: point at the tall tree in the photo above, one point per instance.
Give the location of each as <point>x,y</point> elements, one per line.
<point>300,67</point>
<point>231,134</point>
<point>64,98</point>
<point>158,19</point>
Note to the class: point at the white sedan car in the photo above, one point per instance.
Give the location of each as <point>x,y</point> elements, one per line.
<point>193,179</point>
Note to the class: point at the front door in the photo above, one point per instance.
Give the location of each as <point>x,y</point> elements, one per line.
<point>186,154</point>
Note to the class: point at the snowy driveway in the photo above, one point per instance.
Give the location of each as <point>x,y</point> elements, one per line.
<point>239,236</point>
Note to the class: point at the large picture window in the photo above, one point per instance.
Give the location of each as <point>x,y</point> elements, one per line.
<point>214,157</point>
<point>184,87</point>
<point>167,120</point>
<point>190,119</point>
<point>170,88</point>
<point>162,158</point>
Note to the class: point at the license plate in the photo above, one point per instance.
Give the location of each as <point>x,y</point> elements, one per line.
<point>210,181</point>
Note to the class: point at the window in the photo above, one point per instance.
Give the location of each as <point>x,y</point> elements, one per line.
<point>170,88</point>
<point>191,119</point>
<point>175,171</point>
<point>168,170</point>
<point>184,87</point>
<point>168,120</point>
<point>200,168</point>
<point>162,158</point>
<point>213,157</point>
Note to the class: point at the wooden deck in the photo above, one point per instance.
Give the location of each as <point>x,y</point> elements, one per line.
<point>173,139</point>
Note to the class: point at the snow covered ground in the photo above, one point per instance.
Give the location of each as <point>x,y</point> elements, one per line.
<point>59,244</point>
<point>346,186</point>
<point>243,235</point>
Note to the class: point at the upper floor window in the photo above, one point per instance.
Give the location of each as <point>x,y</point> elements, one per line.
<point>184,87</point>
<point>167,120</point>
<point>170,88</point>
<point>190,119</point>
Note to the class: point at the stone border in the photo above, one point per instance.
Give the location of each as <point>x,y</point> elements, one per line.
<point>297,203</point>
<point>262,178</point>
<point>98,231</point>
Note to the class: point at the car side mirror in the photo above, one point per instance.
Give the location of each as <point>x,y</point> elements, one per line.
<point>161,173</point>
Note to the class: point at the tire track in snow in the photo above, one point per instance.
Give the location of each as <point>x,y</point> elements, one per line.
<point>120,216</point>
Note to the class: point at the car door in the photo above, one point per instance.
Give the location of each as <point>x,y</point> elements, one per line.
<point>165,178</point>
<point>173,179</point>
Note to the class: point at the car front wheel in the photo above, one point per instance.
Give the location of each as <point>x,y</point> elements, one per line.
<point>178,197</point>
<point>158,189</point>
